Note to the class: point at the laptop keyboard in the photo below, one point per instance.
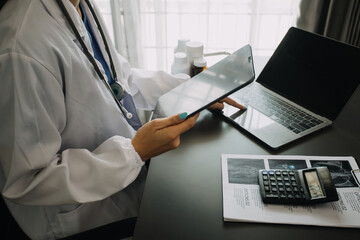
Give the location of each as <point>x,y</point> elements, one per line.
<point>280,111</point>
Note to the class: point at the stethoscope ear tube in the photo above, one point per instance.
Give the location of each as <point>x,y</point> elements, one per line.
<point>115,89</point>
<point>104,39</point>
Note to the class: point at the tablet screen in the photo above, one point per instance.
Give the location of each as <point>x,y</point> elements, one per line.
<point>209,86</point>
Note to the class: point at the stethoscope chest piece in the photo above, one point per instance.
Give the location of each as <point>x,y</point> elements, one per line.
<point>117,90</point>
<point>119,93</point>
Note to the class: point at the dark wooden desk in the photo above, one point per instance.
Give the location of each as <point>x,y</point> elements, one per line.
<point>183,192</point>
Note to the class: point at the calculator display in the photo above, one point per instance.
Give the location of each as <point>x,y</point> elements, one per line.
<point>314,185</point>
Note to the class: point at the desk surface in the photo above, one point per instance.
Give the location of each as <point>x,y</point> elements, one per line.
<point>183,192</point>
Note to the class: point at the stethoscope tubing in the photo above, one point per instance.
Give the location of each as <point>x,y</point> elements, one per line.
<point>91,58</point>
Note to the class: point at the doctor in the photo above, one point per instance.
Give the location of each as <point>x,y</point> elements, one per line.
<point>72,148</point>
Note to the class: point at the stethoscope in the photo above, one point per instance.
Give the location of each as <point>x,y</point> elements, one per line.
<point>115,88</point>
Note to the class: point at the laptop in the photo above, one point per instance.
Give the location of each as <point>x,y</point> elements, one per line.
<point>301,89</point>
<point>211,85</point>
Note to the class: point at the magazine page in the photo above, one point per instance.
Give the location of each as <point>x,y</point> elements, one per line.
<point>242,200</point>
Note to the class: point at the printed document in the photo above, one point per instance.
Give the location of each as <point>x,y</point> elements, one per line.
<point>242,201</point>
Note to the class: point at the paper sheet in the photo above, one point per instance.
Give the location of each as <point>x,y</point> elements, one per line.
<point>242,200</point>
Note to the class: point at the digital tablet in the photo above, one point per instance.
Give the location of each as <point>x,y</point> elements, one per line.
<point>208,87</point>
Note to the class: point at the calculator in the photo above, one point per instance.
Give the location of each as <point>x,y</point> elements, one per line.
<point>305,186</point>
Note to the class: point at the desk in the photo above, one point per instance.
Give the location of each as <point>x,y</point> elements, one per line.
<point>183,192</point>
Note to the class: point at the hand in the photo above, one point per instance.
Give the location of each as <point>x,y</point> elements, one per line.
<point>161,135</point>
<point>220,105</point>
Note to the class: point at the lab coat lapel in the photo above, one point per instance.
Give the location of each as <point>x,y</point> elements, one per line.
<point>59,17</point>
<point>54,10</point>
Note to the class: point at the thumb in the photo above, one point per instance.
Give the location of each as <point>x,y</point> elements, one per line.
<point>173,120</point>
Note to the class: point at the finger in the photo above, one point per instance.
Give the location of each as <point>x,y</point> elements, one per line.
<point>233,103</point>
<point>218,105</point>
<point>172,120</point>
<point>185,125</point>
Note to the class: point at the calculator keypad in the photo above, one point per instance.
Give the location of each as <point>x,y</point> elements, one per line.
<point>281,185</point>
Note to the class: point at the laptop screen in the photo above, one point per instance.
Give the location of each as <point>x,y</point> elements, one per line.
<point>315,72</point>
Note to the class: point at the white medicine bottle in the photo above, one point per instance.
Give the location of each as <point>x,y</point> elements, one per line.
<point>181,46</point>
<point>194,49</point>
<point>181,64</point>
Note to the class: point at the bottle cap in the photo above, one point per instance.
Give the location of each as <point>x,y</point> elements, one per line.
<point>181,47</point>
<point>194,49</point>
<point>180,57</point>
<point>182,41</point>
<point>200,62</point>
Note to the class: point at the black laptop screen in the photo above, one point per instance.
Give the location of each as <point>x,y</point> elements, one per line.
<point>317,73</point>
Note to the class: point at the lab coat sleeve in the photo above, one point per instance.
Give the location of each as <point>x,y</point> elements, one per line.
<point>147,86</point>
<point>33,114</point>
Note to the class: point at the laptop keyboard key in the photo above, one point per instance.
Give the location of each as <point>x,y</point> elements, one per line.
<point>304,125</point>
<point>278,110</point>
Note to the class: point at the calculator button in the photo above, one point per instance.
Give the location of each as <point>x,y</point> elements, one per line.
<point>265,177</point>
<point>272,195</point>
<point>280,184</point>
<point>286,179</point>
<point>297,196</point>
<point>273,183</point>
<point>279,178</point>
<point>278,173</point>
<point>274,189</point>
<point>272,178</point>
<point>283,196</point>
<point>271,173</point>
<point>303,196</point>
<point>287,184</point>
<point>292,179</point>
<point>285,173</point>
<point>264,172</point>
<point>267,189</point>
<point>266,183</point>
<point>292,173</point>
<point>295,189</point>
<point>281,189</point>
<point>290,196</point>
<point>294,184</point>
<point>288,189</point>
<point>301,189</point>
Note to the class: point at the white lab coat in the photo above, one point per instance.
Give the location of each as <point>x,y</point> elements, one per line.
<point>67,162</point>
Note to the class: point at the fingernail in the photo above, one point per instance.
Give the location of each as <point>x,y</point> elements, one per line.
<point>183,115</point>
